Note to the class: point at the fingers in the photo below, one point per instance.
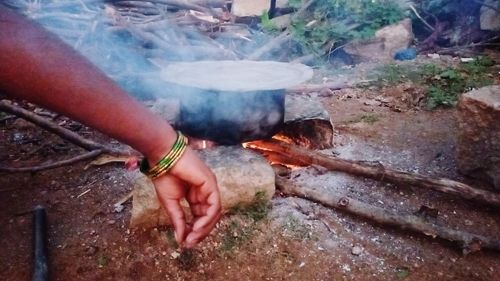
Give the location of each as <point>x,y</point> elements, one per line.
<point>210,214</point>
<point>194,237</point>
<point>177,216</point>
<point>207,214</point>
<point>170,191</point>
<point>203,195</point>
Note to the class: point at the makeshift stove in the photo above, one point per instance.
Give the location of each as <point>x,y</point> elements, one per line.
<point>219,131</point>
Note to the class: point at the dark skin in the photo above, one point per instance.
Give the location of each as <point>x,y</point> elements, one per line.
<point>36,66</point>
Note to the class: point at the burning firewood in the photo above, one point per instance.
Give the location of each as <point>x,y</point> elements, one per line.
<point>379,172</point>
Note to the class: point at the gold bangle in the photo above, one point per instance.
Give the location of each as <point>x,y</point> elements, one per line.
<point>167,162</point>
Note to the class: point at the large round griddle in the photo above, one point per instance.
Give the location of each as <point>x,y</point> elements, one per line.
<point>237,76</point>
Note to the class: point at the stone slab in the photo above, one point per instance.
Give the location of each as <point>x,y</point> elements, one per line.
<point>241,175</point>
<point>386,42</point>
<point>478,146</point>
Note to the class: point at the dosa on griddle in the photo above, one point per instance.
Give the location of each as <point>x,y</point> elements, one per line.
<point>237,76</point>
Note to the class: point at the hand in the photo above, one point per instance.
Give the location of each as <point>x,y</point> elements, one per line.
<point>190,178</point>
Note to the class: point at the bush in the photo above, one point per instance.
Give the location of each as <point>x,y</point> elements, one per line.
<point>331,23</point>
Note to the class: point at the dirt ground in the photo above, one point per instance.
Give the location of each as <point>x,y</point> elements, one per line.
<point>298,240</point>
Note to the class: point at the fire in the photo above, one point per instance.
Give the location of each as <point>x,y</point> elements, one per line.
<point>199,144</point>
<point>283,139</point>
<point>274,158</point>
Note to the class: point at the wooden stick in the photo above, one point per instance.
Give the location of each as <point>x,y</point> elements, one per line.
<point>380,173</point>
<point>307,88</point>
<point>421,19</point>
<point>62,132</point>
<point>48,166</point>
<point>182,4</point>
<point>468,241</point>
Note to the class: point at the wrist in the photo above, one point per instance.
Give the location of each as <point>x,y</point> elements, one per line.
<point>168,161</point>
<point>160,145</point>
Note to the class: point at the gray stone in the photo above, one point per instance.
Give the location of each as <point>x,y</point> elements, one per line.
<point>240,173</point>
<point>282,22</point>
<point>490,19</point>
<point>307,123</point>
<point>146,208</point>
<point>478,147</point>
<point>384,45</point>
<point>356,250</point>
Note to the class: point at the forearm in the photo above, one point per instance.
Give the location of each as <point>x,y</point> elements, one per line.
<point>36,66</point>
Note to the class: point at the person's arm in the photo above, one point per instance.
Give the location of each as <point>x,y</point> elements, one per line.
<point>35,65</point>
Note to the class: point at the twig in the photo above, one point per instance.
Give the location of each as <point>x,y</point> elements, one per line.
<point>83,193</point>
<point>124,199</point>
<point>380,173</point>
<point>485,43</point>
<point>119,205</point>
<point>48,166</point>
<point>468,241</point>
<point>62,132</point>
<point>421,19</point>
<point>307,88</point>
<point>6,118</point>
<point>180,4</point>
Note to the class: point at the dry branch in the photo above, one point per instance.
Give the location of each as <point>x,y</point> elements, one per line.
<point>182,4</point>
<point>380,173</point>
<point>62,132</point>
<point>48,166</point>
<point>307,88</point>
<point>468,241</point>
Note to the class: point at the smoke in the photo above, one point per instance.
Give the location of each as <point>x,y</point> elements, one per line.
<point>133,50</point>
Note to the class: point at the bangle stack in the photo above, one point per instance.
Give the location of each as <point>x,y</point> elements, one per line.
<point>168,161</point>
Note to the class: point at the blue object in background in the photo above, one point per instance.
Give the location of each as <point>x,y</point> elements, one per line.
<point>406,54</point>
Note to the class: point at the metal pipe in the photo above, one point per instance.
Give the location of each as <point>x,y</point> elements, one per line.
<point>40,257</point>
<point>272,9</point>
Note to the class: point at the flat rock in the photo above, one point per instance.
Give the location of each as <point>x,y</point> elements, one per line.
<point>282,22</point>
<point>241,175</point>
<point>146,208</point>
<point>478,148</point>
<point>307,123</point>
<point>387,41</point>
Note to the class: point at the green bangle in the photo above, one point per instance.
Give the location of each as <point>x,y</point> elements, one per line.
<point>168,161</point>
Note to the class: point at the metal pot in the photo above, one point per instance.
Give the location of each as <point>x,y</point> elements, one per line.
<point>233,117</point>
<point>227,112</point>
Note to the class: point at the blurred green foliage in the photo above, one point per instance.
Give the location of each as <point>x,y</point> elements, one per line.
<point>331,23</point>
<point>443,85</point>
